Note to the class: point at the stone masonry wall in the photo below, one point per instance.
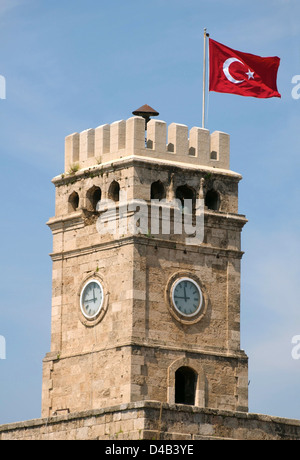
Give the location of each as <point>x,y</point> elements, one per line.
<point>154,421</point>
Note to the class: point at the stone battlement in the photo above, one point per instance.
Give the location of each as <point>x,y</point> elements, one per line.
<point>126,138</point>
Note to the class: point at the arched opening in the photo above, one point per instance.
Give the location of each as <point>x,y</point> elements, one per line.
<point>213,155</point>
<point>186,195</point>
<point>73,202</point>
<point>114,191</point>
<point>158,191</point>
<point>93,197</point>
<point>212,200</point>
<point>185,386</point>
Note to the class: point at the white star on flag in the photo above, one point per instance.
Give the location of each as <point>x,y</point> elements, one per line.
<point>250,74</point>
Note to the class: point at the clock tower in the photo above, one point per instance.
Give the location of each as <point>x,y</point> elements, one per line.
<point>143,309</point>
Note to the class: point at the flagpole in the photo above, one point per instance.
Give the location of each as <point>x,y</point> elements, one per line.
<point>204,79</point>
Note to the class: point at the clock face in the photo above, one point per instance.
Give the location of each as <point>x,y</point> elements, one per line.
<point>91,299</point>
<point>187,297</point>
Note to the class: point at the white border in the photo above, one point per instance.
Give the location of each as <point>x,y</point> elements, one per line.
<point>201,297</point>
<point>82,291</point>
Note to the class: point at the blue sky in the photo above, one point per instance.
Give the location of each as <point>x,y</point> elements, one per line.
<point>74,65</point>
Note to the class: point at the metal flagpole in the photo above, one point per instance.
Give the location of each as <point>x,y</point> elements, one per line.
<point>204,78</point>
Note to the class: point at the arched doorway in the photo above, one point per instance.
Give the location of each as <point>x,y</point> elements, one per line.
<point>185,385</point>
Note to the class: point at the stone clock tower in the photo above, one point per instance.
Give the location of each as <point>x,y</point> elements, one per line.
<point>145,315</point>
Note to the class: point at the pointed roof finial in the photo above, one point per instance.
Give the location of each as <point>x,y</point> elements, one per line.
<point>146,112</point>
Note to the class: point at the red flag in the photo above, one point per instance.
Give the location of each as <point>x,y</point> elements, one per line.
<point>240,73</point>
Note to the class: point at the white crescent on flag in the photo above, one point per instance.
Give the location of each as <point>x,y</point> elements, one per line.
<point>226,66</point>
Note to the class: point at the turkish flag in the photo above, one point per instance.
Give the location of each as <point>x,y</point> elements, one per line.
<point>232,71</point>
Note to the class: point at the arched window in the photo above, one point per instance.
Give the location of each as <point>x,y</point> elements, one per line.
<point>158,191</point>
<point>212,200</point>
<point>114,191</point>
<point>186,195</point>
<point>73,202</point>
<point>93,197</point>
<point>185,386</point>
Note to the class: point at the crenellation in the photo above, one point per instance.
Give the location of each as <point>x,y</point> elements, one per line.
<point>199,144</point>
<point>86,145</point>
<point>220,148</point>
<point>71,150</point>
<point>157,135</point>
<point>102,142</point>
<point>125,138</point>
<point>178,139</point>
<point>117,136</point>
<point>135,136</point>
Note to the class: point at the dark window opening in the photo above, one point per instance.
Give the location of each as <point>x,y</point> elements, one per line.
<point>186,195</point>
<point>212,200</point>
<point>93,198</point>
<point>170,147</point>
<point>73,202</point>
<point>185,386</point>
<point>114,191</point>
<point>158,191</point>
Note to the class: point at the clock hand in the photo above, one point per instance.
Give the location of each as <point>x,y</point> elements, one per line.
<point>185,298</point>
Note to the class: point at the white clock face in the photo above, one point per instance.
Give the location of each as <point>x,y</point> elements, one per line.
<point>91,299</point>
<point>187,297</point>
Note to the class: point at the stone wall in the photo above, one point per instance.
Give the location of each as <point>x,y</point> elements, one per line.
<point>154,421</point>
<point>95,364</point>
<point>124,138</point>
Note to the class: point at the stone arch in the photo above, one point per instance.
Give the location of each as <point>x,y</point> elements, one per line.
<point>158,191</point>
<point>185,385</point>
<point>193,365</point>
<point>114,191</point>
<point>73,202</point>
<point>212,200</point>
<point>93,197</point>
<point>186,195</point>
